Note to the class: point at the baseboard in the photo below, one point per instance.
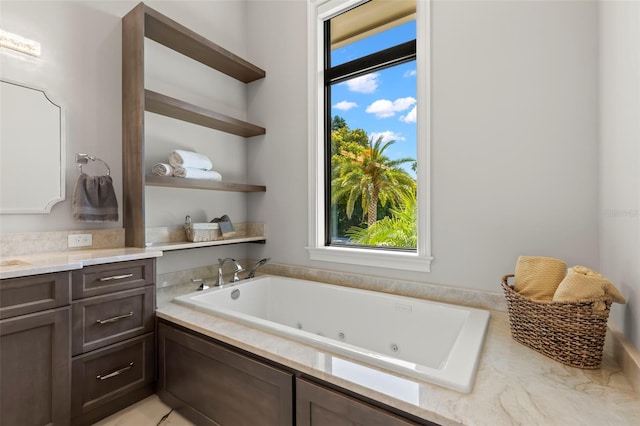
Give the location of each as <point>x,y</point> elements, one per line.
<point>626,355</point>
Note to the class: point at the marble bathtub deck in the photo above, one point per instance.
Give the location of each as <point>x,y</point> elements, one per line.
<point>514,384</point>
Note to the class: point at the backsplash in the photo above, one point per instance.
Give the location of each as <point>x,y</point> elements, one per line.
<point>57,241</point>
<point>174,284</point>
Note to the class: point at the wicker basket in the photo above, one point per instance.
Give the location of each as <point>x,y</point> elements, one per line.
<point>202,232</point>
<point>572,333</point>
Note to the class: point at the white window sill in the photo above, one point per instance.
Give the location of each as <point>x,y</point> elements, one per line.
<point>373,258</point>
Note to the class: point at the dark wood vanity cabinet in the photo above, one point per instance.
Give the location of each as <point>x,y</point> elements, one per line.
<point>35,350</point>
<point>113,340</point>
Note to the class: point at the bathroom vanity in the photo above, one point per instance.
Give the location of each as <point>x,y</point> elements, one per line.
<point>76,335</point>
<point>35,318</point>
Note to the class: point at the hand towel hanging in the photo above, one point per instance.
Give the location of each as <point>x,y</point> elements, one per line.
<point>94,199</point>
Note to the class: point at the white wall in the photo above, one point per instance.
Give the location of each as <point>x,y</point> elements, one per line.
<point>620,157</point>
<point>515,115</point>
<point>81,67</point>
<point>514,136</point>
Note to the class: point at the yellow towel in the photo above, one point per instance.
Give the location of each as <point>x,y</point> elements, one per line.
<point>538,277</point>
<point>584,283</point>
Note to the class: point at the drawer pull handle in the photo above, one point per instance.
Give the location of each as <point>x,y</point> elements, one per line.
<point>116,277</point>
<point>114,373</point>
<point>114,319</point>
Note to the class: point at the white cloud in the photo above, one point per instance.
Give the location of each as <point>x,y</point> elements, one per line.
<point>410,73</point>
<point>345,105</point>
<point>411,116</point>
<point>364,84</point>
<point>383,108</point>
<point>387,135</point>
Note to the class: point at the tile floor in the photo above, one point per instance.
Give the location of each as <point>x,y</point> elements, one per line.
<point>148,412</point>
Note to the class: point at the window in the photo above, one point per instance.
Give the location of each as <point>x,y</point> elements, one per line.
<point>368,192</point>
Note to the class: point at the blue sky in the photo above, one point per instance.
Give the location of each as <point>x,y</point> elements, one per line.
<point>383,102</point>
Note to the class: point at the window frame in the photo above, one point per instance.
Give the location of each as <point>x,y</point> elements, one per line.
<point>419,260</point>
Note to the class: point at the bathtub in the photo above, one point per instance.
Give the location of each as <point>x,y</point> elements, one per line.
<point>436,342</point>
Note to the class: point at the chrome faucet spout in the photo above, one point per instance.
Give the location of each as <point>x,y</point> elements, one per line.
<point>237,268</point>
<point>261,262</point>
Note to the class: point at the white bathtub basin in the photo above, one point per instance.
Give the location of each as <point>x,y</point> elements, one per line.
<point>436,342</point>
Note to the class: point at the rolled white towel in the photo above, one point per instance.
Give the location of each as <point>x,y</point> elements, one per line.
<point>182,158</point>
<point>191,173</point>
<point>162,169</point>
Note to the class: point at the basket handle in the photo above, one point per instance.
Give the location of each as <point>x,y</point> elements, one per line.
<point>505,279</point>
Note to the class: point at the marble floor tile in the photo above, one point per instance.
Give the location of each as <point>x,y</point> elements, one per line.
<point>148,412</point>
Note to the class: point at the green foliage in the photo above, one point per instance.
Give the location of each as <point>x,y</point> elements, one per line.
<point>366,184</point>
<point>399,230</point>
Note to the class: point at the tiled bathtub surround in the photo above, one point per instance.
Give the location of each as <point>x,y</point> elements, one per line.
<point>457,296</point>
<point>175,284</point>
<point>57,241</point>
<point>514,385</point>
<point>178,283</point>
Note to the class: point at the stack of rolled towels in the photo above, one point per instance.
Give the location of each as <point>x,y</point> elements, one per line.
<point>548,279</point>
<point>187,164</point>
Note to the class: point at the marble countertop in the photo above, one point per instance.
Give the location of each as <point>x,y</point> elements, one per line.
<point>514,385</point>
<point>44,263</point>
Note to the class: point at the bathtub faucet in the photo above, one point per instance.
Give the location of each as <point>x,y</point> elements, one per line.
<point>237,268</point>
<point>261,262</point>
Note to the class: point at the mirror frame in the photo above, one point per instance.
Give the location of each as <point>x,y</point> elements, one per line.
<point>60,196</point>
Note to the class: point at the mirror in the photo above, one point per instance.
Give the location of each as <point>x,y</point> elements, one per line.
<point>31,150</point>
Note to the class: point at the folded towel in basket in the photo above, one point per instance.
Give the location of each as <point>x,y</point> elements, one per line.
<point>583,283</point>
<point>538,277</point>
<point>190,173</point>
<point>94,199</point>
<point>182,158</point>
<point>162,169</point>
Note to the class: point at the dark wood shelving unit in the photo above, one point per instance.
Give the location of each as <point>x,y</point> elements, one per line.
<point>176,182</point>
<point>143,22</point>
<point>177,37</point>
<point>180,110</point>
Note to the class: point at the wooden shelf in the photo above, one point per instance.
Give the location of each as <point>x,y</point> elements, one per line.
<point>176,182</point>
<point>182,245</point>
<point>140,23</point>
<point>175,108</point>
<point>171,34</point>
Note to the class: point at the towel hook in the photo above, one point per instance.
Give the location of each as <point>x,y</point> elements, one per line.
<point>84,159</point>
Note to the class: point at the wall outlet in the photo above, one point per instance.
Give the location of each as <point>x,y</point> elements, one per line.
<point>80,240</point>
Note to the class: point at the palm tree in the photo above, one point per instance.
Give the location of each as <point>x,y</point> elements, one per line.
<point>372,177</point>
<point>400,230</point>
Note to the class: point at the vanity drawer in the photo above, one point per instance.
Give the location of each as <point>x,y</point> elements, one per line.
<point>102,320</point>
<point>19,296</point>
<point>106,380</point>
<point>102,279</point>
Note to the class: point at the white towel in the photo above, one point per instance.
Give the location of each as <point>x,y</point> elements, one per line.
<point>162,169</point>
<point>190,173</point>
<point>181,158</point>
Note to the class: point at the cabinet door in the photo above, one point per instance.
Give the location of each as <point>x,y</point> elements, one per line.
<point>320,406</point>
<point>210,384</point>
<point>34,369</point>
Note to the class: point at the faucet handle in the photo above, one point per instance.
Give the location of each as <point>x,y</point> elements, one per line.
<point>238,269</point>
<point>203,283</point>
